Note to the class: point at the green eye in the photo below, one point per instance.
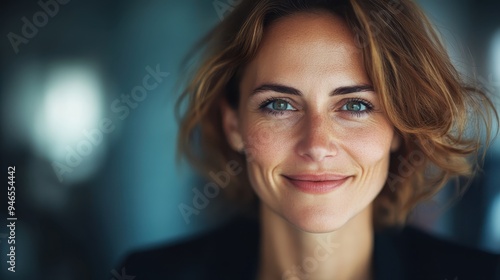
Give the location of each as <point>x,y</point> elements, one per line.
<point>355,106</point>
<point>280,105</point>
<point>276,106</point>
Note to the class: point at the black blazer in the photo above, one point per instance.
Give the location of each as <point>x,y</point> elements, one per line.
<point>231,252</point>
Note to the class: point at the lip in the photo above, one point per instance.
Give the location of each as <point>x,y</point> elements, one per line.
<point>317,183</point>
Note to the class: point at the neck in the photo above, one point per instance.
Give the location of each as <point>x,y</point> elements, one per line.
<point>289,253</point>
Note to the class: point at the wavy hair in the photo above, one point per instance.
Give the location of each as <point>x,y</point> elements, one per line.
<point>439,117</point>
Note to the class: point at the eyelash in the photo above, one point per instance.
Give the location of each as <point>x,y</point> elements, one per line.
<point>369,106</point>
<point>265,103</point>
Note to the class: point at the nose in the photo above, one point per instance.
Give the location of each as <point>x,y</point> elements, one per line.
<point>318,141</point>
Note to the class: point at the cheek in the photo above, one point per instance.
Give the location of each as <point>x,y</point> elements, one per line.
<point>266,149</point>
<point>370,150</point>
<point>370,144</point>
<point>266,143</point>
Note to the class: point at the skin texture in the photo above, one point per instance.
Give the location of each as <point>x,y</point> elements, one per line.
<point>314,133</point>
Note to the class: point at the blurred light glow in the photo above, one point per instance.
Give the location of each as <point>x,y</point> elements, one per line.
<point>494,81</point>
<point>492,232</point>
<point>71,104</point>
<point>495,55</point>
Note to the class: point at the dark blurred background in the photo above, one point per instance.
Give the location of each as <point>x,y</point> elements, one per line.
<point>93,138</point>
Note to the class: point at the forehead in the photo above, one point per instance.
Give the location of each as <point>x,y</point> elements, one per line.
<point>305,44</point>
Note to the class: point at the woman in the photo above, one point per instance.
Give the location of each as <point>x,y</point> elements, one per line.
<point>342,115</point>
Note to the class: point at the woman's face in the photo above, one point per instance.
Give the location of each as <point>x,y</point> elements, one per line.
<point>314,133</point>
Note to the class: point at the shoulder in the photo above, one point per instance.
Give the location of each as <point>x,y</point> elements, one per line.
<point>216,254</point>
<point>424,256</point>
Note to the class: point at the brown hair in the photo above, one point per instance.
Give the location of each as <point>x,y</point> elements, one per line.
<point>438,117</point>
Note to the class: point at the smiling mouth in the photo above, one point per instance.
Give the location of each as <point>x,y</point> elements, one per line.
<point>316,184</point>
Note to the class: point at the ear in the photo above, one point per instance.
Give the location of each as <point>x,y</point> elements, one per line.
<point>396,142</point>
<point>230,124</point>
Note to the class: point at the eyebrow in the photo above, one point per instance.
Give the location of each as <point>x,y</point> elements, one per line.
<point>293,91</point>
